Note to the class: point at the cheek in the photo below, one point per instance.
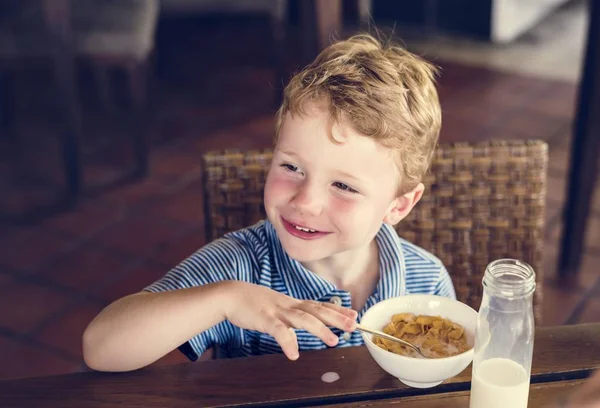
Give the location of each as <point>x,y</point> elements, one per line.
<point>351,214</point>
<point>278,189</point>
<point>355,213</point>
<point>343,207</point>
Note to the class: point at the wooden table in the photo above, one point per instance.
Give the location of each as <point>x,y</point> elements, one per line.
<point>563,357</point>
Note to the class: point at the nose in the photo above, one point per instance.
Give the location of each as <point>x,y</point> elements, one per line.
<point>308,199</point>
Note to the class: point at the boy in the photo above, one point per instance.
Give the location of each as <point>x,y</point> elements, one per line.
<point>354,136</point>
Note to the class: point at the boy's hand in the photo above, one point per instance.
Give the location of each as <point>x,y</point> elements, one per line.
<point>585,396</point>
<point>255,307</point>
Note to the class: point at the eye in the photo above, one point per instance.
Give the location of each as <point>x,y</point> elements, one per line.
<point>344,187</point>
<point>290,167</point>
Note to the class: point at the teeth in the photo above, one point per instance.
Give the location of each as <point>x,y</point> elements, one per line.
<point>304,229</point>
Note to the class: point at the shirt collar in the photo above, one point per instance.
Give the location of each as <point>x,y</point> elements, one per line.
<point>392,271</point>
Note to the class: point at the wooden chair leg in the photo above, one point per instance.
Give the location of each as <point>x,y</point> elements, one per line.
<point>11,145</point>
<point>104,88</point>
<point>14,148</point>
<point>364,12</point>
<point>328,14</point>
<point>66,80</point>
<point>57,18</point>
<point>584,155</point>
<point>278,38</point>
<point>308,31</point>
<point>7,107</point>
<point>320,19</point>
<point>278,62</point>
<point>137,78</point>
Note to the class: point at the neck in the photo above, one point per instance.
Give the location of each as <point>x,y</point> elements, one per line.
<point>347,269</point>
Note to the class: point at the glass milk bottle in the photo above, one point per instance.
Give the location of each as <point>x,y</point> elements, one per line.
<point>504,338</point>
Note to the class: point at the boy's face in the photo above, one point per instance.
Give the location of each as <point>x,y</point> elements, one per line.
<point>342,191</point>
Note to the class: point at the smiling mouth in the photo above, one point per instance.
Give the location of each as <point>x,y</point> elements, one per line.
<point>299,228</point>
<point>301,231</point>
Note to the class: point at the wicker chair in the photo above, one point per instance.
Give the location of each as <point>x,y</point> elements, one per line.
<point>482,202</point>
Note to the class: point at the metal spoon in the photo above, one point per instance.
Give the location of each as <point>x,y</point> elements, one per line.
<point>391,338</point>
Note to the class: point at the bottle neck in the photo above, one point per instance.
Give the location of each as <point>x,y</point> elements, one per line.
<point>509,278</point>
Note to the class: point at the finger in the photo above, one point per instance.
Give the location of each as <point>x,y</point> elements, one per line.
<point>302,320</point>
<point>346,311</point>
<point>330,315</point>
<point>286,338</point>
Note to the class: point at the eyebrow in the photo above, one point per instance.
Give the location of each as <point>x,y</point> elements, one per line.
<point>349,176</point>
<point>288,153</point>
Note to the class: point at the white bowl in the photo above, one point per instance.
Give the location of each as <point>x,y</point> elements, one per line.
<point>420,372</point>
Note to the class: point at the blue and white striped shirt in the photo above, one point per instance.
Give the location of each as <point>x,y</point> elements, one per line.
<point>255,255</point>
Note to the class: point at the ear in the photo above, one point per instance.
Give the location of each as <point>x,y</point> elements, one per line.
<point>401,206</point>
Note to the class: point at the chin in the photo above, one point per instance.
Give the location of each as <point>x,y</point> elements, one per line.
<point>303,251</point>
<point>304,255</point>
<point>298,249</point>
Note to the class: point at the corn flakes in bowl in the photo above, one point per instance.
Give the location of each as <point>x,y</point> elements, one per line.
<point>442,327</point>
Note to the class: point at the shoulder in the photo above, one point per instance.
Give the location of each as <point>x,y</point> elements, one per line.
<point>424,271</point>
<point>239,255</point>
<point>253,237</point>
<point>417,255</point>
<point>246,248</point>
<point>412,254</point>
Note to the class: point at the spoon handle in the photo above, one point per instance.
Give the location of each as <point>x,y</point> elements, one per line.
<point>388,337</point>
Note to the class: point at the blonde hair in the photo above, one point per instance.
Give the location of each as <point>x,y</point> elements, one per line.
<point>382,91</point>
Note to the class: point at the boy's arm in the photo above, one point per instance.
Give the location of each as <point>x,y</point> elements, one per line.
<point>444,286</point>
<point>213,285</point>
<point>139,329</point>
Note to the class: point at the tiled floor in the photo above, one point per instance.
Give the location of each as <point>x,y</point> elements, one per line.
<point>57,274</point>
